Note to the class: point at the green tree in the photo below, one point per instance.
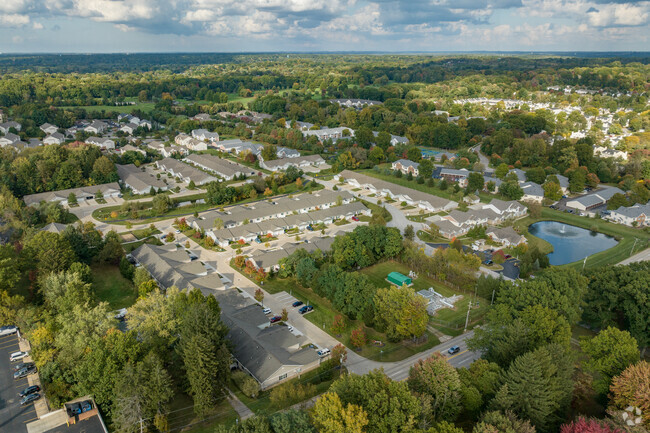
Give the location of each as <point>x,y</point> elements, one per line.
<point>51,251</point>
<point>390,406</point>
<point>511,190</point>
<point>508,334</point>
<point>269,152</point>
<point>496,421</point>
<point>72,199</point>
<point>425,168</point>
<point>112,251</point>
<point>141,275</point>
<point>610,352</point>
<point>161,204</point>
<point>617,201</point>
<point>414,154</point>
<point>62,291</point>
<point>409,232</point>
<point>434,377</point>
<point>330,416</point>
<point>291,421</point>
<point>475,182</point>
<point>536,174</point>
<point>501,171</point>
<point>552,191</point>
<point>537,386</point>
<point>401,312</point>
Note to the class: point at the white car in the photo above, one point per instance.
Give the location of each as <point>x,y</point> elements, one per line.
<point>17,356</point>
<point>266,311</point>
<point>8,330</point>
<point>323,352</point>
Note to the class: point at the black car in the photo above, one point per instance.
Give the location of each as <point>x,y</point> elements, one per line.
<point>24,372</point>
<point>30,390</point>
<point>297,304</point>
<point>22,365</point>
<point>30,398</point>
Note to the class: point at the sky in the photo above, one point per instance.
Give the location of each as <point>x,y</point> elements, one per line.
<point>97,26</point>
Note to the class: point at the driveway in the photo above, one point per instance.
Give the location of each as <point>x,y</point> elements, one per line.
<point>13,416</point>
<point>510,266</point>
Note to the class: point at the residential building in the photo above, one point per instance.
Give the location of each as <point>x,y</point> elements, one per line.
<point>357,104</point>
<point>300,162</point>
<point>271,354</point>
<point>55,138</point>
<point>96,127</point>
<point>83,193</point>
<point>633,216</point>
<point>330,133</point>
<point>184,171</point>
<point>129,128</point>
<point>406,166</point>
<point>201,117</point>
<point>9,139</point>
<point>506,236</point>
<point>223,168</point>
<point>270,260</point>
<point>48,128</point>
<point>55,228</point>
<point>6,126</point>
<point>428,202</point>
<point>102,142</point>
<point>138,181</point>
<point>593,199</point>
<point>172,266</point>
<point>605,152</point>
<point>303,126</point>
<point>452,175</point>
<point>129,148</point>
<point>532,192</point>
<point>204,134</point>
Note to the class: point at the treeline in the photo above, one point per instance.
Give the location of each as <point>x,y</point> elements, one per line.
<point>52,168</point>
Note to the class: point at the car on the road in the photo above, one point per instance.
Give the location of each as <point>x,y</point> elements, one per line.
<point>24,372</point>
<point>297,304</point>
<point>29,398</point>
<point>8,330</point>
<point>30,390</point>
<point>23,365</point>
<point>178,231</point>
<point>305,309</point>
<point>488,262</point>
<point>17,356</point>
<point>275,319</point>
<point>453,349</point>
<point>266,311</point>
<point>355,218</point>
<point>323,352</point>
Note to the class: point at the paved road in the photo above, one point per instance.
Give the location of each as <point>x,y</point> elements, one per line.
<point>482,158</point>
<point>13,416</point>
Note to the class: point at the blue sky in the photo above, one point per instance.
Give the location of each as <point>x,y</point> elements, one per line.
<point>323,25</point>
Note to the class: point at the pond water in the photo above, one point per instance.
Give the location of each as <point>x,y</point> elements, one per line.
<point>570,243</point>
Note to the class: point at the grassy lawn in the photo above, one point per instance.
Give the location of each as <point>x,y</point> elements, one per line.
<point>183,418</point>
<point>146,215</point>
<point>132,246</point>
<point>447,193</point>
<point>145,233</point>
<point>376,209</point>
<point>147,107</point>
<point>625,235</point>
<point>323,316</point>
<point>110,286</point>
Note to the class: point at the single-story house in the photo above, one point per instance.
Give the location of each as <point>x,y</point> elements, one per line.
<point>506,236</point>
<point>637,215</point>
<point>82,193</point>
<point>593,199</point>
<point>137,180</point>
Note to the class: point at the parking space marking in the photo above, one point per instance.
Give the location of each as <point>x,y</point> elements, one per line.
<point>6,346</point>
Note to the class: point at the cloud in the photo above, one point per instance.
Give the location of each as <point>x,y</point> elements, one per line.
<point>621,14</point>
<point>14,20</point>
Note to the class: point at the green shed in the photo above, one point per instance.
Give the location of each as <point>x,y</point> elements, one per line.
<point>399,279</point>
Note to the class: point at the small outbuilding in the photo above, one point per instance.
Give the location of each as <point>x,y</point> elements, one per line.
<point>398,279</point>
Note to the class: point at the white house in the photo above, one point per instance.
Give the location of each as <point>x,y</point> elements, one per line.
<point>96,127</point>
<point>205,135</point>
<point>48,128</point>
<point>104,143</point>
<point>55,138</point>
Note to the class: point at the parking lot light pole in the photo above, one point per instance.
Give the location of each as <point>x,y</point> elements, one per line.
<point>469,307</point>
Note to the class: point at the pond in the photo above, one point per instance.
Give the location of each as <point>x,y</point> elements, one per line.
<point>570,243</point>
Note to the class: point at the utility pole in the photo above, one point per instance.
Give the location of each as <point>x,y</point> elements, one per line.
<point>493,290</point>
<point>635,239</point>
<point>141,426</point>
<point>584,263</point>
<point>469,307</point>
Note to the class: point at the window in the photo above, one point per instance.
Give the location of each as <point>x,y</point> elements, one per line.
<point>284,376</point>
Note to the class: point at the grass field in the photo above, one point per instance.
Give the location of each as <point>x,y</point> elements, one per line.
<point>146,107</point>
<point>447,193</point>
<point>625,235</point>
<point>110,286</point>
<point>182,416</point>
<point>133,245</point>
<point>323,316</point>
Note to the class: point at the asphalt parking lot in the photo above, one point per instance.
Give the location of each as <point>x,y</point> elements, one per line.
<point>13,416</point>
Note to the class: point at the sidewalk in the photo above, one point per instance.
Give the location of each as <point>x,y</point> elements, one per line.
<point>242,410</point>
